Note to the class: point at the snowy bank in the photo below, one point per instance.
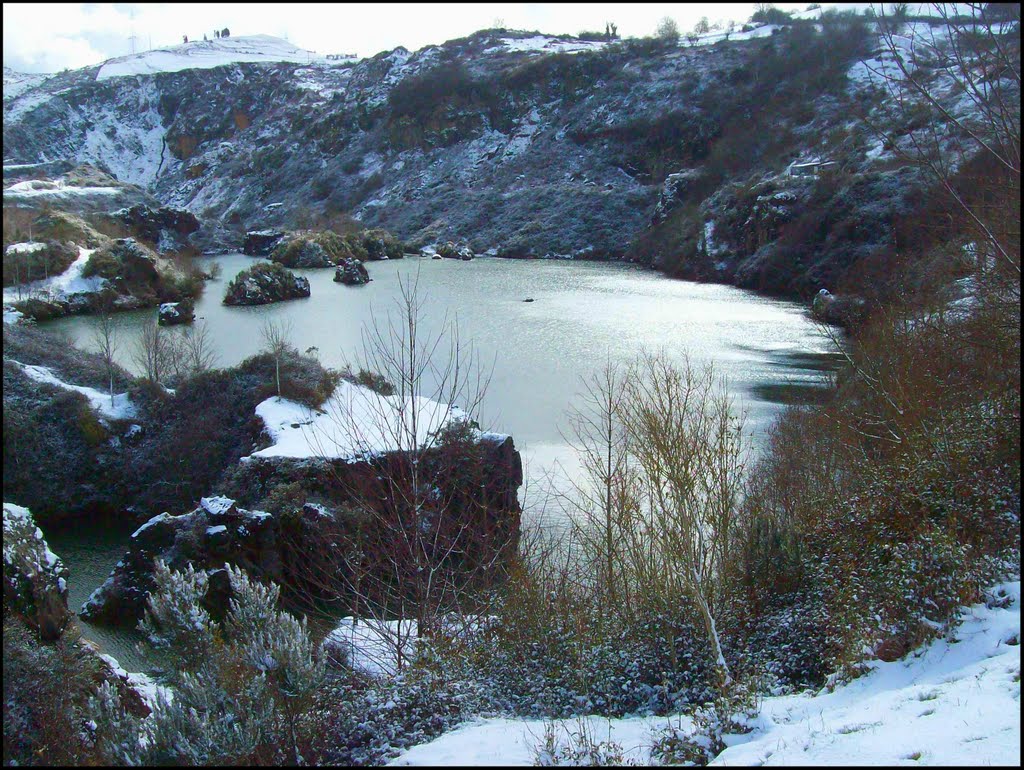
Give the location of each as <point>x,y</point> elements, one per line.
<point>354,422</point>
<point>61,286</point>
<point>956,701</point>
<point>118,408</point>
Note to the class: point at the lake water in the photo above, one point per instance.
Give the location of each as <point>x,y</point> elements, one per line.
<point>538,353</point>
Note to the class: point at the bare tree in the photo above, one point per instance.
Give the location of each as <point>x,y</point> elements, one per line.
<point>196,349</point>
<point>276,335</point>
<point>154,354</point>
<point>975,57</point>
<point>421,530</point>
<point>667,30</point>
<point>107,338</point>
<point>687,444</point>
<point>604,505</point>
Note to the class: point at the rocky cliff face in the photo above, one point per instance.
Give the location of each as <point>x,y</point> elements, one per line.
<point>323,512</point>
<point>526,144</point>
<point>35,579</point>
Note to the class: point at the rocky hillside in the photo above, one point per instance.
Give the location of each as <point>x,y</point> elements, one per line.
<point>695,158</point>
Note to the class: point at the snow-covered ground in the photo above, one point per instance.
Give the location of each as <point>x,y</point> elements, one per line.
<point>955,701</point>
<point>56,286</point>
<point>353,422</point>
<point>547,44</point>
<point>41,188</point>
<point>118,408</point>
<point>206,54</point>
<point>17,82</point>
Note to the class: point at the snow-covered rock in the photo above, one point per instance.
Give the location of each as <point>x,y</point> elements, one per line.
<point>351,272</point>
<point>35,579</point>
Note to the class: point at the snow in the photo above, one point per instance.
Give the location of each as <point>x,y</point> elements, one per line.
<point>143,684</point>
<point>546,44</point>
<point>353,423</point>
<point>212,531</point>
<point>372,645</point>
<point>29,247</point>
<point>38,557</point>
<point>715,36</point>
<point>216,505</point>
<point>36,188</point>
<point>956,701</point>
<point>121,409</point>
<point>59,286</point>
<point>206,54</point>
<point>155,520</point>
<point>500,741</point>
<point>16,83</point>
<point>12,316</point>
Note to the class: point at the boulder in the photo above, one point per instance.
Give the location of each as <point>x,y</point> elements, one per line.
<point>264,283</point>
<point>841,311</point>
<point>306,254</point>
<point>351,272</point>
<point>35,579</point>
<point>259,243</point>
<point>215,533</point>
<point>674,192</point>
<point>167,227</point>
<point>174,313</point>
<point>452,250</point>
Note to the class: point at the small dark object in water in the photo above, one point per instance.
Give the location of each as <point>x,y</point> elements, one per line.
<point>528,299</point>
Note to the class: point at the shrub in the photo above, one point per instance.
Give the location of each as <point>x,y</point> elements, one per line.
<point>242,687</point>
<point>46,696</point>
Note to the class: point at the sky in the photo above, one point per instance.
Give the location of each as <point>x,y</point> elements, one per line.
<point>49,37</point>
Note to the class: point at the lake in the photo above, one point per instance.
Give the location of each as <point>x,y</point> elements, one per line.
<point>538,353</point>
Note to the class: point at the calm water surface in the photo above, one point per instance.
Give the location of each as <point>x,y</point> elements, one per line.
<point>582,314</point>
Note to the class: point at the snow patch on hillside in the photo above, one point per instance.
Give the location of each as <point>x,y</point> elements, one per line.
<point>133,148</point>
<point>118,408</point>
<point>57,287</point>
<point>16,83</point>
<point>207,54</point>
<point>954,702</point>
<point>355,422</point>
<point>546,44</point>
<point>42,188</point>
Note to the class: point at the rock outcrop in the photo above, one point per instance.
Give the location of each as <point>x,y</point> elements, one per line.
<point>264,283</point>
<point>216,532</point>
<point>451,250</point>
<point>351,272</point>
<point>167,227</point>
<point>35,579</point>
<point>174,313</point>
<point>475,502</point>
<point>259,243</point>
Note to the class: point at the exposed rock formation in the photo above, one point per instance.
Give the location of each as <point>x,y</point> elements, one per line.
<point>214,533</point>
<point>451,250</point>
<point>264,283</point>
<point>351,272</point>
<point>174,313</point>
<point>166,227</point>
<point>35,580</point>
<point>259,243</point>
<point>476,483</point>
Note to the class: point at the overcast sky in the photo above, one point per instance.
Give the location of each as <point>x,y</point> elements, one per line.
<point>47,37</point>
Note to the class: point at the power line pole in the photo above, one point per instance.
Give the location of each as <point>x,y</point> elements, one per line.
<point>133,38</point>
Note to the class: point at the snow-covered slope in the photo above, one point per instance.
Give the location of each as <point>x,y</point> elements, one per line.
<point>16,82</point>
<point>206,54</point>
<point>955,702</point>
